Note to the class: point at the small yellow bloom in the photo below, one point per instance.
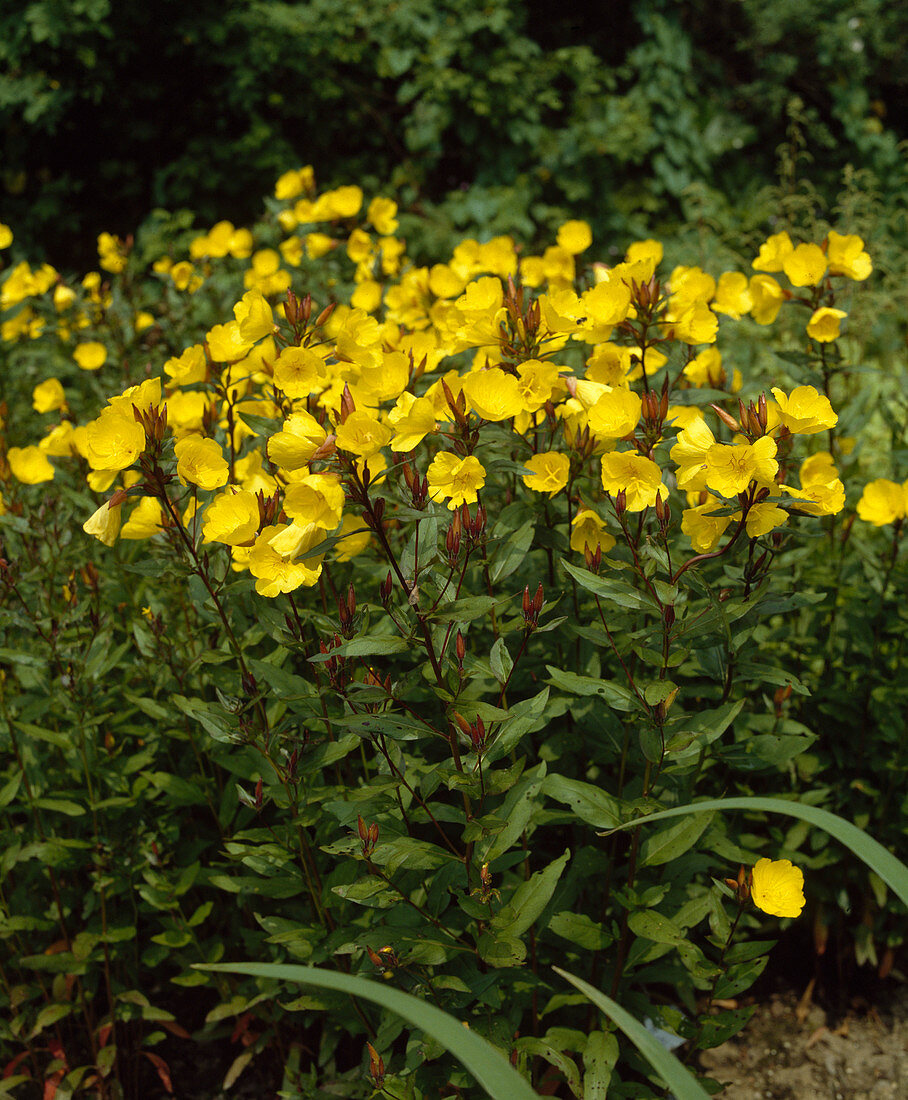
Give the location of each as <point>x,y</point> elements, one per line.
<point>48,396</point>
<point>297,371</point>
<point>588,533</point>
<point>730,469</point>
<point>805,411</point>
<point>201,462</point>
<point>767,298</point>
<point>639,477</point>
<point>104,524</point>
<point>254,316</point>
<point>29,465</point>
<point>191,366</point>
<point>823,326</point>
<point>882,502</point>
<point>805,265</point>
<point>412,418</point>
<point>456,480</point>
<point>91,355</point>
<point>144,520</point>
<point>773,252</point>
<point>847,257</point>
<point>575,237</point>
<point>296,442</point>
<point>232,518</point>
<point>114,441</point>
<point>615,414</point>
<point>493,395</point>
<point>363,434</point>
<point>702,527</point>
<point>778,888</point>
<point>550,472</point>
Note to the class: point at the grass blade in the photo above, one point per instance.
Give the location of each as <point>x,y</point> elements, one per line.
<point>487,1064</point>
<point>890,869</point>
<point>680,1080</point>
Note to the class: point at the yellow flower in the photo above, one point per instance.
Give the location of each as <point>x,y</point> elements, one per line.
<point>493,395</point>
<point>575,237</point>
<point>773,252</point>
<point>412,418</point>
<point>730,469</point>
<point>189,367</point>
<point>296,442</point>
<point>805,265</point>
<point>144,520</point>
<point>615,414</point>
<point>232,518</point>
<point>90,355</point>
<point>454,479</point>
<point>48,396</point>
<point>226,344</point>
<point>362,434</point>
<point>821,492</point>
<point>638,476</point>
<point>6,236</point>
<point>733,295</point>
<point>697,325</point>
<point>254,316</point>
<point>114,441</point>
<point>297,370</point>
<point>823,326</point>
<point>316,499</point>
<point>588,532</point>
<point>353,537</point>
<point>882,502</point>
<point>702,528</point>
<point>30,465</point>
<point>382,214</point>
<point>778,887</point>
<point>104,524</point>
<point>690,451</point>
<point>805,411</point>
<point>767,298</point>
<point>201,462</point>
<point>272,560</point>
<point>763,518</point>
<point>550,472</point>
<point>847,257</point>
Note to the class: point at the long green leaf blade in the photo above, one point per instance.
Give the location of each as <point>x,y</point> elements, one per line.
<point>490,1068</point>
<point>890,869</point>
<point>680,1080</point>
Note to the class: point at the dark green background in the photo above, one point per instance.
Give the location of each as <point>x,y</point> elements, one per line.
<point>485,115</point>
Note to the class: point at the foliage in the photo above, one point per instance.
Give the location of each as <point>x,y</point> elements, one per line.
<point>486,117</point>
<point>408,583</point>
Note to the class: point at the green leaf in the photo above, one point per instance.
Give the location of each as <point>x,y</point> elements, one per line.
<point>512,551</point>
<point>613,591</point>
<point>591,804</point>
<point>487,1064</point>
<point>654,926</point>
<point>580,930</point>
<point>890,869</point>
<point>679,1080</point>
<point>500,660</point>
<point>60,806</point>
<point>529,899</point>
<point>599,1060</point>
<point>376,645</point>
<point>617,696</point>
<point>673,841</point>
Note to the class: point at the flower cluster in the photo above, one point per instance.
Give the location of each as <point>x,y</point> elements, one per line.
<point>567,379</point>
